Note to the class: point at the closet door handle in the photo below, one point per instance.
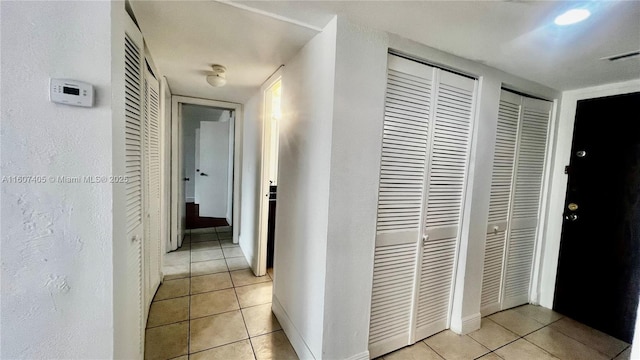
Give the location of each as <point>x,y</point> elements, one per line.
<point>425,238</point>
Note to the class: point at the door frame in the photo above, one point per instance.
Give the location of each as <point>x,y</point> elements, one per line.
<point>263,212</point>
<point>543,289</point>
<point>177,223</point>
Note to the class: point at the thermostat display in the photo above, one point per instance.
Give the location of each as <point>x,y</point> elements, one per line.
<point>71,92</point>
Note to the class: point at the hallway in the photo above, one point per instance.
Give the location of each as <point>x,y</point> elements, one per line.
<point>211,306</point>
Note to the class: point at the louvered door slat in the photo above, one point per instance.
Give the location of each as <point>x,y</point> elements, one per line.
<point>449,156</point>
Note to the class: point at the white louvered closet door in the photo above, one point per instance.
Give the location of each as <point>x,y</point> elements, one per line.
<point>450,139</point>
<point>400,203</point>
<point>529,172</point>
<point>518,169</point>
<point>152,246</point>
<point>134,158</point>
<point>500,199</point>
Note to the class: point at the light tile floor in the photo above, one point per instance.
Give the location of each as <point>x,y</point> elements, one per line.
<point>523,333</point>
<point>211,306</point>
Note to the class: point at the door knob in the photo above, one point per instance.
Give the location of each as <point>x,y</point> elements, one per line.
<point>203,174</point>
<point>571,217</point>
<point>186,179</point>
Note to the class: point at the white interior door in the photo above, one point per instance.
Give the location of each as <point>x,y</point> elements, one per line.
<point>523,227</point>
<point>428,124</point>
<point>152,248</point>
<point>518,169</point>
<point>134,158</point>
<point>212,179</point>
<point>400,203</point>
<point>453,113</point>
<point>499,201</point>
<point>197,162</point>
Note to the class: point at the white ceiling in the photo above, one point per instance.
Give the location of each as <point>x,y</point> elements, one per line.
<point>186,37</point>
<point>519,37</point>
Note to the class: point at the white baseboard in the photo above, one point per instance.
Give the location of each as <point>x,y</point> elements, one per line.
<point>361,356</point>
<point>296,340</point>
<point>466,324</point>
<point>208,230</point>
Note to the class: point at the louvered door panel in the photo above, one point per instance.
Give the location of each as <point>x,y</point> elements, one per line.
<point>449,157</point>
<point>499,201</point>
<point>152,187</point>
<point>133,134</point>
<point>400,203</point>
<point>155,265</point>
<point>134,307</point>
<point>393,284</point>
<point>530,161</point>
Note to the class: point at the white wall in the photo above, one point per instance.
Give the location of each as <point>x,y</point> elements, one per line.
<point>360,83</point>
<point>251,162</point>
<point>303,192</point>
<point>56,238</point>
<point>556,195</point>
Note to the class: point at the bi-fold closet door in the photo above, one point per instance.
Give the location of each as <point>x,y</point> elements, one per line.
<point>151,136</point>
<point>516,183</point>
<point>428,123</point>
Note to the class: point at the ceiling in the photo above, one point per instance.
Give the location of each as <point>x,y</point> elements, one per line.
<point>186,37</point>
<point>252,38</point>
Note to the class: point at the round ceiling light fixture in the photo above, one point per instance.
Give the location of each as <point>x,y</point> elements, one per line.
<point>218,78</point>
<point>572,16</point>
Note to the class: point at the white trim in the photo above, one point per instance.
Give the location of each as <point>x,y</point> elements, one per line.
<point>271,15</point>
<point>295,338</point>
<point>557,191</point>
<point>361,356</point>
<point>263,213</point>
<point>534,287</point>
<point>467,324</point>
<point>176,101</point>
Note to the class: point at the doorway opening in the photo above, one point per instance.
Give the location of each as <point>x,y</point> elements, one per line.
<point>205,167</point>
<point>208,162</point>
<point>272,113</point>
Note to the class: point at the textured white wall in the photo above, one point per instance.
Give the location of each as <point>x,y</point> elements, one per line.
<point>360,83</point>
<point>303,191</point>
<point>56,238</point>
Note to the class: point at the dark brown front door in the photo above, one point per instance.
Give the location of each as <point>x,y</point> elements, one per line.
<point>598,280</point>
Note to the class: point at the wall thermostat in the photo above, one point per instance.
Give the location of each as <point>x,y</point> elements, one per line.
<point>71,92</point>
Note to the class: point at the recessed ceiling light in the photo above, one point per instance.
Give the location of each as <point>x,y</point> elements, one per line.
<point>572,16</point>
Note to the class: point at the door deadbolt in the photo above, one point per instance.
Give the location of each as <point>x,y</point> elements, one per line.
<point>571,217</point>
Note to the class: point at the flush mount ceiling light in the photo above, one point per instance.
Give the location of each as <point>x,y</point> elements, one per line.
<point>572,16</point>
<point>218,77</point>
